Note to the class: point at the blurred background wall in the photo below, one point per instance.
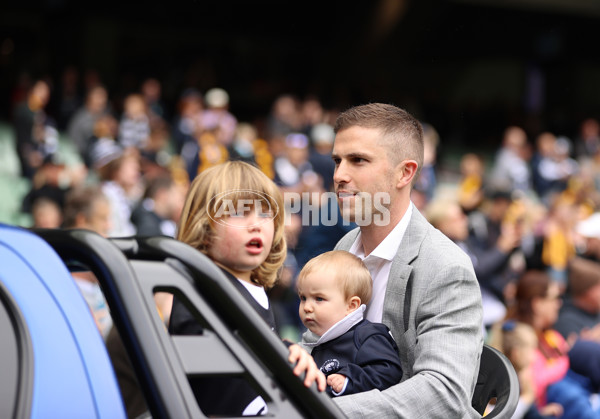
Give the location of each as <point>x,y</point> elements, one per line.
<point>468,67</point>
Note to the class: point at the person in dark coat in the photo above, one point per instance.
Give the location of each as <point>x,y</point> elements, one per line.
<point>355,354</point>
<point>155,214</point>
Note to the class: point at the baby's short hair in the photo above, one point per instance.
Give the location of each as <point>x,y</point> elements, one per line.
<point>351,273</point>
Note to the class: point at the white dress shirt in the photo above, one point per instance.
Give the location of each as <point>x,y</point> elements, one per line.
<point>379,263</point>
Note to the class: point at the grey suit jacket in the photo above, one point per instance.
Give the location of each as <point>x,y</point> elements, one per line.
<point>441,348</point>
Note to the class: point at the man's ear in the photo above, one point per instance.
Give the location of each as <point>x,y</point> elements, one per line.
<point>405,172</point>
<point>353,303</point>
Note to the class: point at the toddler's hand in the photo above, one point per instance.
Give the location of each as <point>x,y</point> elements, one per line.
<point>304,362</point>
<point>552,409</point>
<point>336,381</point>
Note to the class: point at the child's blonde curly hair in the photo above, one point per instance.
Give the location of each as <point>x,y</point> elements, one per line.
<point>234,181</point>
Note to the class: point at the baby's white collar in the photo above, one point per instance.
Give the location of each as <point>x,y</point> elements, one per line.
<point>311,339</point>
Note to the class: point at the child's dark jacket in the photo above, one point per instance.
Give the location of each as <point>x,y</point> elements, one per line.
<point>218,396</point>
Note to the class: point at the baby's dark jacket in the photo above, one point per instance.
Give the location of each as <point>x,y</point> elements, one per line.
<point>366,354</point>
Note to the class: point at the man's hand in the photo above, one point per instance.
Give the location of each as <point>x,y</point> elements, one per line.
<point>304,362</point>
<point>336,381</point>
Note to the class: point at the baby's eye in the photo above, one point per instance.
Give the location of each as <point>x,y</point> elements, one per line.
<point>319,299</point>
<point>302,298</point>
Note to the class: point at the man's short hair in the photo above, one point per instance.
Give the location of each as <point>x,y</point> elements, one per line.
<point>401,131</point>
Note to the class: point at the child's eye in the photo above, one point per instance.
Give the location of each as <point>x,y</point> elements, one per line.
<point>302,298</point>
<point>319,299</point>
<point>237,214</point>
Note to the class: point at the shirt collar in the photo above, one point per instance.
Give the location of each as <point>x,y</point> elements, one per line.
<point>388,248</point>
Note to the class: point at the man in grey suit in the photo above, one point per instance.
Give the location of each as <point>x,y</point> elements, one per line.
<point>424,286</point>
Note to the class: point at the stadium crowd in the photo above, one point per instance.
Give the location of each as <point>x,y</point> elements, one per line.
<point>531,208</point>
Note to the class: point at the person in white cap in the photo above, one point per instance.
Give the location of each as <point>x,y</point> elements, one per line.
<point>217,118</point>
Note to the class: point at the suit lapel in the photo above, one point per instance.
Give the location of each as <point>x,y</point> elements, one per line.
<point>401,269</point>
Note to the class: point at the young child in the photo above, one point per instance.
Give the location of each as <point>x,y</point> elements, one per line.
<point>518,341</point>
<point>355,354</point>
<point>234,214</point>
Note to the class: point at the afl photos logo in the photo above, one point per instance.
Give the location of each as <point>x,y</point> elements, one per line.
<point>242,203</point>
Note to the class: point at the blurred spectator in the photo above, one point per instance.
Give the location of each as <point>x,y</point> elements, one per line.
<point>470,187</point>
<point>544,151</point>
<point>156,155</point>
<point>216,118</point>
<point>134,125</point>
<point>205,135</point>
<point>427,182</point>
<point>88,208</point>
<point>242,146</point>
<point>33,142</point>
<point>485,223</point>
<point>491,261</point>
<point>293,164</point>
<point>511,166</point>
<point>248,147</point>
<point>585,185</point>
<point>537,304</point>
<point>53,180</point>
<point>120,175</point>
<point>519,342</point>
<point>151,90</point>
<point>556,169</point>
<point>67,98</point>
<point>587,143</point>
<point>560,238</point>
<point>588,237</point>
<point>322,136</point>
<point>156,214</point>
<point>105,129</point>
<point>20,90</point>
<point>264,158</point>
<point>283,296</point>
<point>81,126</point>
<point>187,120</point>
<point>46,213</point>
<point>284,117</point>
<point>210,152</point>
<point>579,320</point>
<point>311,113</point>
<point>580,313</point>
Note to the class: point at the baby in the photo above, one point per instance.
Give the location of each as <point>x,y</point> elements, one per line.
<point>355,354</point>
